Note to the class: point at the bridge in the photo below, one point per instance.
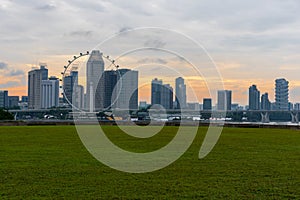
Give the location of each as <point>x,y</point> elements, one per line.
<point>264,116</point>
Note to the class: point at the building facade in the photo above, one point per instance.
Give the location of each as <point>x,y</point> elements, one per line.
<point>180,92</point>
<point>126,92</point>
<point>156,90</point>
<point>4,99</point>
<point>254,98</point>
<point>13,101</point>
<point>35,78</point>
<point>161,94</point>
<point>224,100</point>
<point>69,84</point>
<point>109,85</point>
<point>265,102</point>
<point>207,104</point>
<point>167,96</point>
<point>94,71</point>
<point>281,94</point>
<point>50,93</point>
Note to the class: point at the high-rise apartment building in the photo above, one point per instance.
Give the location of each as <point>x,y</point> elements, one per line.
<point>265,102</point>
<point>126,92</point>
<point>35,78</point>
<point>167,96</point>
<point>161,94</point>
<point>254,98</point>
<point>207,104</point>
<point>69,84</point>
<point>281,94</point>
<point>4,99</point>
<point>180,92</point>
<point>13,101</point>
<point>50,93</point>
<point>224,100</point>
<point>156,90</point>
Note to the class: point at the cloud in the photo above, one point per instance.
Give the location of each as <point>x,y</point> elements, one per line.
<point>15,72</point>
<point>124,29</point>
<point>47,7</point>
<point>3,65</point>
<point>81,33</point>
<point>10,84</point>
<point>152,60</point>
<point>155,43</point>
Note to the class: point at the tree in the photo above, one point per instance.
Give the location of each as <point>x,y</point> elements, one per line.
<point>4,115</point>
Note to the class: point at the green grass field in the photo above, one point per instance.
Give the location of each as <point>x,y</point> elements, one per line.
<point>51,162</point>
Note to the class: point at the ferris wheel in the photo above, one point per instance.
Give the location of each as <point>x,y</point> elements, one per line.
<point>73,66</point>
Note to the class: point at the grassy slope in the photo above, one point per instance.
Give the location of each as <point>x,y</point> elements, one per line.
<point>37,162</point>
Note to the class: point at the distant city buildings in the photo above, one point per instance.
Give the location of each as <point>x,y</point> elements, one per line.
<point>161,94</point>
<point>180,92</point>
<point>194,106</point>
<point>50,93</point>
<point>265,102</point>
<point>254,98</point>
<point>126,92</point>
<point>207,104</point>
<point>118,89</point>
<point>69,83</point>
<point>297,106</point>
<point>143,105</point>
<point>13,102</point>
<point>94,71</point>
<point>4,99</point>
<point>224,100</point>
<point>35,78</point>
<point>108,82</point>
<point>281,94</point>
<point>156,90</point>
<point>24,99</point>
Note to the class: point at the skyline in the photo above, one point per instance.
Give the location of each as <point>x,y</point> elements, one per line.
<point>255,100</point>
<point>172,84</point>
<point>251,42</point>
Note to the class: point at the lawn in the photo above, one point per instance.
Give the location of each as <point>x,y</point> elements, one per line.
<point>51,162</point>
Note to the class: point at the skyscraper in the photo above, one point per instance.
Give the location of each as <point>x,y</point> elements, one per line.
<point>254,96</point>
<point>4,99</point>
<point>69,83</point>
<point>109,83</point>
<point>78,97</point>
<point>281,94</point>
<point>156,89</point>
<point>161,94</point>
<point>180,92</point>
<point>126,91</point>
<point>207,104</point>
<point>35,78</point>
<point>50,93</point>
<point>224,100</point>
<point>167,96</point>
<point>94,71</point>
<point>13,101</point>
<point>265,102</point>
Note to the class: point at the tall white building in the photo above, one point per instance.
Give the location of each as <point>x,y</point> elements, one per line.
<point>94,71</point>
<point>224,100</point>
<point>50,93</point>
<point>281,94</point>
<point>126,90</point>
<point>78,96</point>
<point>180,92</point>
<point>35,78</point>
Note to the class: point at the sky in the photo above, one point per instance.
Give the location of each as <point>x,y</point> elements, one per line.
<point>251,42</point>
